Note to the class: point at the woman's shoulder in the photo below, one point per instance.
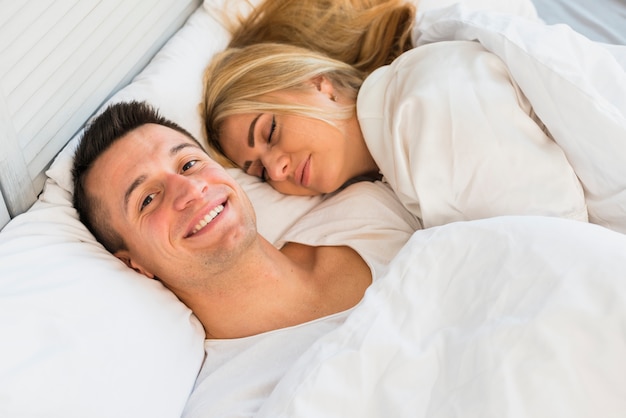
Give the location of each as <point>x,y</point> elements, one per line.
<point>426,70</point>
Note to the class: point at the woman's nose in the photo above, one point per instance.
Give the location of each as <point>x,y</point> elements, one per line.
<point>186,189</point>
<point>276,165</point>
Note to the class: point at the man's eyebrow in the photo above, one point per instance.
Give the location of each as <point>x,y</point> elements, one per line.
<point>131,189</point>
<point>177,148</point>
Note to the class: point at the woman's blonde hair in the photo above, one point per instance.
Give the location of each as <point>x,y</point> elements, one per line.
<point>344,40</point>
<point>242,80</point>
<point>364,33</point>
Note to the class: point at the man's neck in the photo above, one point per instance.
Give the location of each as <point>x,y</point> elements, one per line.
<point>274,289</point>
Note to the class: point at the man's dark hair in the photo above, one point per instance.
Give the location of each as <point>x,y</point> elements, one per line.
<point>112,124</point>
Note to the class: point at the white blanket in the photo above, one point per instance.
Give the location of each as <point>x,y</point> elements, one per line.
<point>576,87</point>
<point>503,317</point>
<point>457,140</point>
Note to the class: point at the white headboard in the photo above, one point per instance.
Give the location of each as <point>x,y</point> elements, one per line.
<point>59,61</point>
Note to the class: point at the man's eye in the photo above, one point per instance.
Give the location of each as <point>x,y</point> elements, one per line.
<point>189,164</point>
<point>147,201</point>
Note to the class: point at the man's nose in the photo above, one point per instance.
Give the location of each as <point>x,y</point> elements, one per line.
<point>276,165</point>
<point>186,189</point>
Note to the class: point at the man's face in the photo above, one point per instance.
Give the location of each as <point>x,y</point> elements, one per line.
<point>182,217</point>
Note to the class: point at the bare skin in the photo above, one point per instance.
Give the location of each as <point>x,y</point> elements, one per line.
<point>185,221</point>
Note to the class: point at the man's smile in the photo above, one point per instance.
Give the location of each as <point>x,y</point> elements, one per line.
<point>206,219</point>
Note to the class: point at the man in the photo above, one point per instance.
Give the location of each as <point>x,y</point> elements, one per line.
<point>154,198</point>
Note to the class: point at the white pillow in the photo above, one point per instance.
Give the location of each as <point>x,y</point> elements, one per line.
<point>82,334</point>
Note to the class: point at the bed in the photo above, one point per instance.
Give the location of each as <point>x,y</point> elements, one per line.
<point>511,316</point>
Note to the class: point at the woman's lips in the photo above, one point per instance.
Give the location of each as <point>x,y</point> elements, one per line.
<point>306,172</point>
<point>303,172</point>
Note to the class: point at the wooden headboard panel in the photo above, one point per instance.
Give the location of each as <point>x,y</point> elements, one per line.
<point>59,61</point>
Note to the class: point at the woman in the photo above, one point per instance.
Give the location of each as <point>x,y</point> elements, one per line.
<point>287,114</point>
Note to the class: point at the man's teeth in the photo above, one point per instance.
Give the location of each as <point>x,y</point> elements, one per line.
<point>208,218</point>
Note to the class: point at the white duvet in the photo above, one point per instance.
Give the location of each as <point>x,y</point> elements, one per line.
<point>457,140</point>
<point>502,317</point>
<point>576,87</point>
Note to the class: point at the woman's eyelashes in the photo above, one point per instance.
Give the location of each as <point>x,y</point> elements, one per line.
<point>272,129</point>
<point>263,174</point>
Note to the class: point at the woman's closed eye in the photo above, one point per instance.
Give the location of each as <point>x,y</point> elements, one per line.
<point>256,167</point>
<point>272,129</point>
<point>264,175</point>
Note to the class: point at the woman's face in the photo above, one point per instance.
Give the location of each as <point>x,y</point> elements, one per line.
<point>294,154</point>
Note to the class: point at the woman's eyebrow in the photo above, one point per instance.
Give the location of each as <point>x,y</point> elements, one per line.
<point>251,131</point>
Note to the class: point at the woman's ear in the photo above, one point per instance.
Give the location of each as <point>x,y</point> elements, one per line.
<point>325,86</point>
<point>124,255</point>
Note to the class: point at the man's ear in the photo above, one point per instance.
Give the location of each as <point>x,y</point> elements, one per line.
<point>129,261</point>
<point>325,86</point>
